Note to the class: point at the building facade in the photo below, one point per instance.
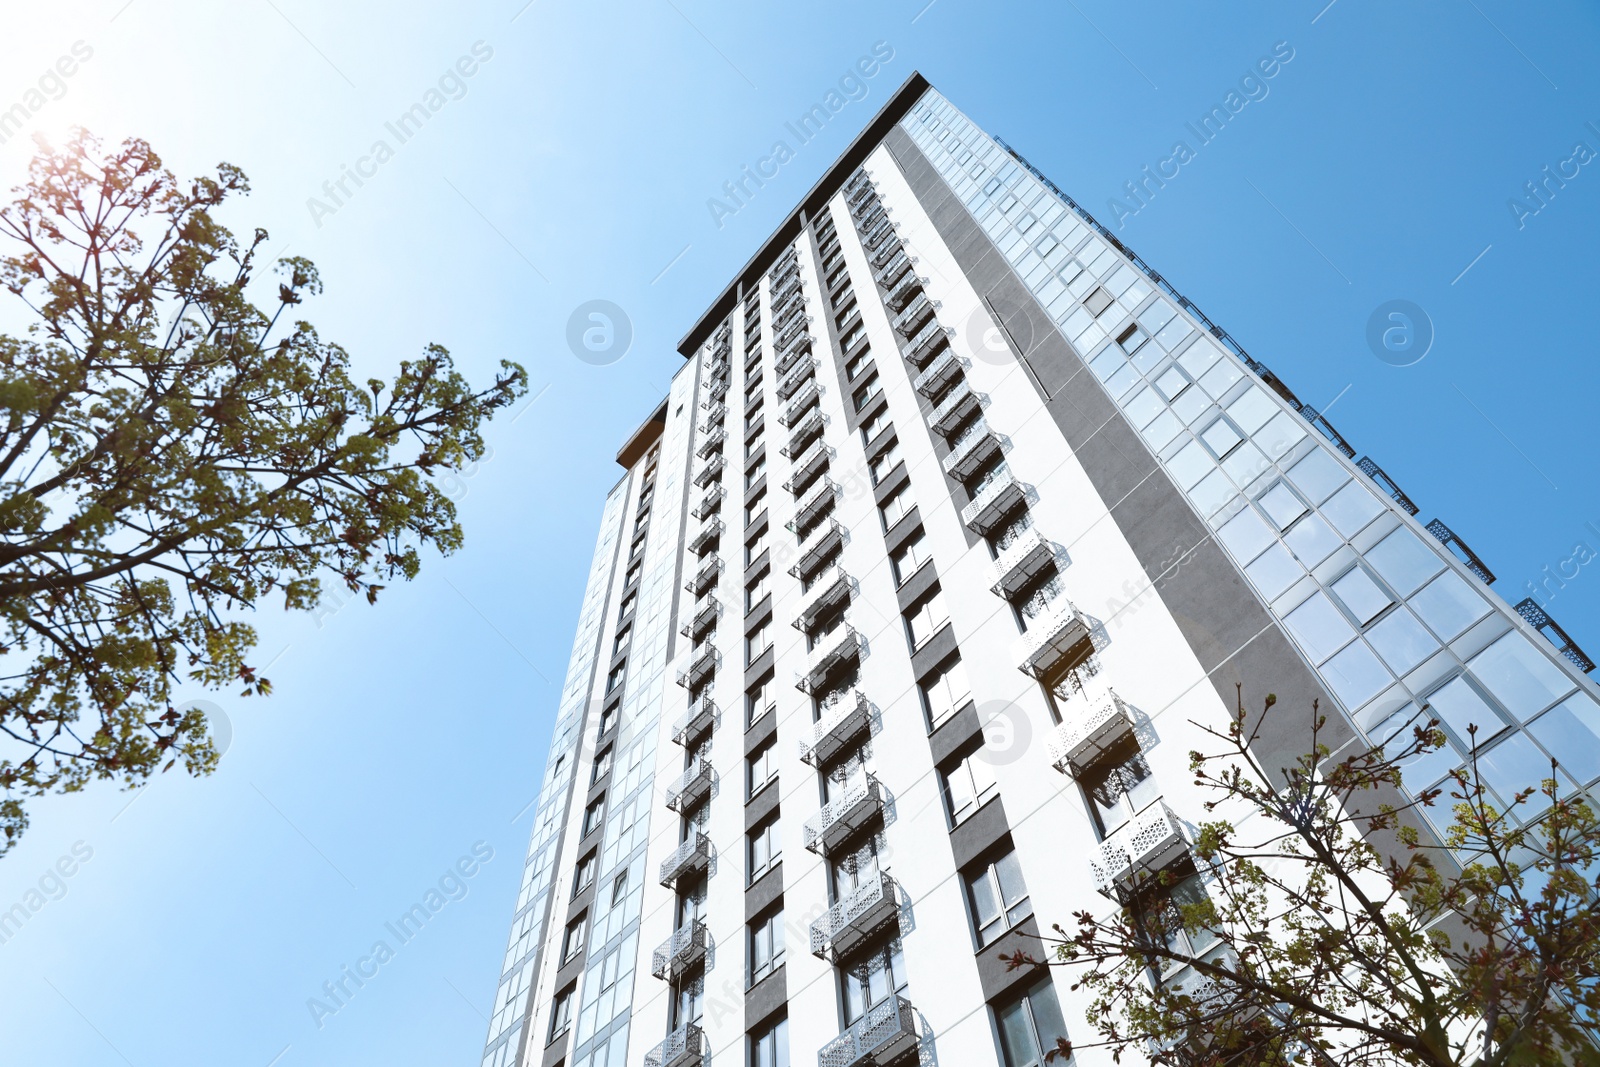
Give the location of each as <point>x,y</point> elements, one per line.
<point>954,522</point>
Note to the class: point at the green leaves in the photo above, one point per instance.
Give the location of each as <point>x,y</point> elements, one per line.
<point>170,453</point>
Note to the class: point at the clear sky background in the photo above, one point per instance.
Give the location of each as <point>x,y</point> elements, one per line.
<point>578,166</point>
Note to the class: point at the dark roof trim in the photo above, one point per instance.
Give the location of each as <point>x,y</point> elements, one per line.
<point>908,94</point>
<point>645,436</point>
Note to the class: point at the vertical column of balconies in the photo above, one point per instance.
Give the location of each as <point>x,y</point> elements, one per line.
<point>1095,727</point>
<point>681,960</point>
<point>862,919</point>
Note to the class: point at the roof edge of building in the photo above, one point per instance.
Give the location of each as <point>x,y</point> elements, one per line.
<point>900,102</point>
<point>648,433</point>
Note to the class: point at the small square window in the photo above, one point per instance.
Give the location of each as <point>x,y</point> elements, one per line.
<point>1282,506</point>
<point>1173,382</point>
<point>1361,596</point>
<point>1098,301</point>
<point>1221,438</point>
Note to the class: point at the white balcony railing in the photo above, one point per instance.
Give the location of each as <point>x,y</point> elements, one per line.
<point>802,433</point>
<point>997,500</point>
<point>828,590</point>
<point>953,410</point>
<point>1148,842</point>
<point>1052,635</point>
<point>833,648</point>
<point>844,719</point>
<point>690,858</point>
<point>809,508</point>
<point>808,395</point>
<point>712,442</point>
<point>711,470</point>
<point>680,952</point>
<point>884,1033</point>
<point>854,917</point>
<point>706,575</point>
<point>937,374</point>
<point>710,502</point>
<point>1089,725</point>
<point>700,717</point>
<point>970,453</point>
<point>1021,562</point>
<point>708,535</point>
<point>843,817</point>
<point>798,375</point>
<point>684,1047</point>
<point>818,543</point>
<point>704,616</point>
<point>807,465</point>
<point>701,665</point>
<point>690,787</point>
<point>914,315</point>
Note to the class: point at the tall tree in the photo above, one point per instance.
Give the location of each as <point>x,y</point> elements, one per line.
<point>1316,922</point>
<point>170,454</point>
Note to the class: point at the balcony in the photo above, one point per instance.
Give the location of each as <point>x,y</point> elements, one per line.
<point>709,472</point>
<point>1386,483</point>
<point>940,372</point>
<point>830,590</point>
<point>859,194</point>
<point>706,577</point>
<point>1052,636</point>
<point>709,503</point>
<point>690,787</point>
<point>885,254</point>
<point>901,295</point>
<point>818,544</point>
<point>684,1047</point>
<point>977,447</point>
<point>692,724</point>
<point>680,953</point>
<point>914,317</point>
<point>714,416</point>
<point>855,919</point>
<point>712,442</point>
<point>708,535</point>
<point>706,612</point>
<point>1459,549</point>
<point>809,508</point>
<point>790,287</point>
<point>1090,724</point>
<point>885,1035</point>
<point>798,375</point>
<point>804,432</point>
<point>1150,841</point>
<point>806,466</point>
<point>842,818</point>
<point>785,337</point>
<point>891,273</point>
<point>702,664</point>
<point>990,507</point>
<point>954,410</point>
<point>803,400</point>
<point>833,649</point>
<point>1021,562</point>
<point>1540,620</point>
<point>845,718</point>
<point>881,232</point>
<point>689,860</point>
<point>785,357</point>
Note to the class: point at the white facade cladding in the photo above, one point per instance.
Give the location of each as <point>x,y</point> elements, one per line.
<point>953,523</point>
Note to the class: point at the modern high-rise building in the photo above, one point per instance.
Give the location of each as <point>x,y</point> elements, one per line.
<point>955,521</point>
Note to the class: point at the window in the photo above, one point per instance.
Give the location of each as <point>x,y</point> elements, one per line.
<point>756,471</point>
<point>895,508</point>
<point>757,591</point>
<point>561,1013</point>
<point>848,340</point>
<point>584,875</point>
<point>910,556</point>
<point>884,462</point>
<point>602,766</point>
<point>873,980</point>
<point>592,814</point>
<point>770,1047</point>
<point>758,700</point>
<point>945,691</point>
<point>1119,786</point>
<point>633,572</point>
<point>614,679</point>
<point>757,505</point>
<point>627,605</point>
<point>764,849</point>
<point>608,719</point>
<point>757,642</point>
<point>998,897</point>
<point>752,446</point>
<point>624,636</point>
<point>761,768</point>
<point>1029,1026</point>
<point>1097,301</point>
<point>572,940</point>
<point>689,1002</point>
<point>753,414</point>
<point>924,618</point>
<point>967,785</point>
<point>754,548</point>
<point>1161,913</point>
<point>863,396</point>
<point>619,888</point>
<point>766,945</point>
<point>877,423</point>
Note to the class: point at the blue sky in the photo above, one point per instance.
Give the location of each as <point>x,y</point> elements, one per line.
<point>576,163</point>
